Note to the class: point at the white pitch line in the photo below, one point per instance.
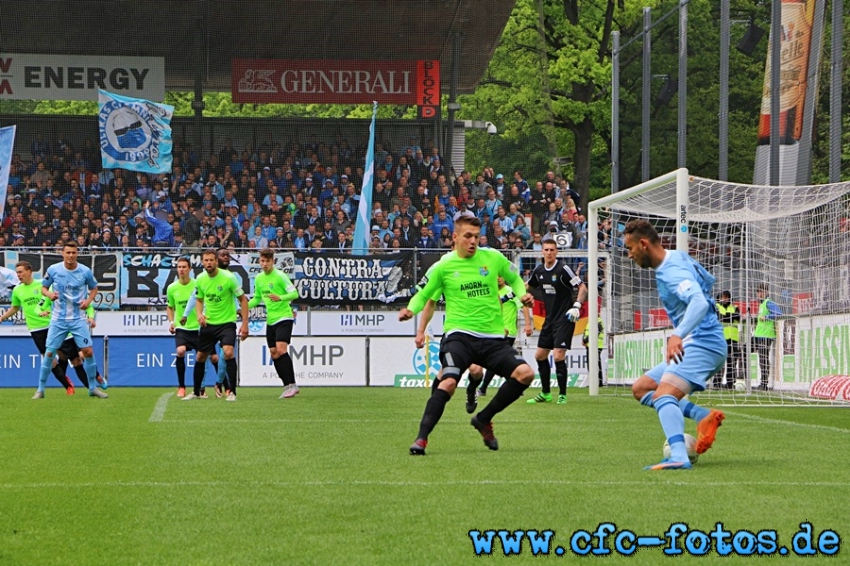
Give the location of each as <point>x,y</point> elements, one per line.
<point>424,483</point>
<point>577,423</point>
<point>159,408</point>
<point>789,423</point>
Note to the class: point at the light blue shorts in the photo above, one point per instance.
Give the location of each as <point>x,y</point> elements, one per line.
<point>59,330</point>
<point>697,366</point>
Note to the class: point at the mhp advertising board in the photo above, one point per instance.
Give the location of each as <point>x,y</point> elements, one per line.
<point>20,363</point>
<point>149,362</point>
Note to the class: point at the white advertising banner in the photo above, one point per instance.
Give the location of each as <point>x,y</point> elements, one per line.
<point>31,76</point>
<point>317,361</point>
<point>374,323</point>
<point>152,323</point>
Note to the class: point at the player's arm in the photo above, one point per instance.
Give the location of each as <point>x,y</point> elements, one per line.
<point>190,306</point>
<point>255,300</point>
<point>243,308</point>
<point>529,320</point>
<point>424,321</point>
<point>434,286</point>
<point>10,312</point>
<point>697,308</point>
<point>169,309</point>
<point>92,285</point>
<point>91,316</point>
<point>46,284</point>
<point>773,310</point>
<point>290,293</point>
<point>508,272</point>
<point>199,307</point>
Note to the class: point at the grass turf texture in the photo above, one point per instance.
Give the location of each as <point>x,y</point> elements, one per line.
<point>326,478</point>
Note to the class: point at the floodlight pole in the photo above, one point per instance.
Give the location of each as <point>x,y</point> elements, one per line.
<point>615,113</point>
<point>683,85</point>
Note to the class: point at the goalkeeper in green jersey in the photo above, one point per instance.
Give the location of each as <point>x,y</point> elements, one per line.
<point>274,288</point>
<point>474,331</point>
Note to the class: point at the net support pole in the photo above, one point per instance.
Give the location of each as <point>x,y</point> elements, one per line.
<point>682,203</point>
<point>592,295</point>
<point>835,86</point>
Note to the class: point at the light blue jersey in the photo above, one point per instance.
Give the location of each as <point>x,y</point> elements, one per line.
<point>73,287</point>
<point>680,278</point>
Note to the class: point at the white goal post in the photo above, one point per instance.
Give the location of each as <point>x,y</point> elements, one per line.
<point>794,241</point>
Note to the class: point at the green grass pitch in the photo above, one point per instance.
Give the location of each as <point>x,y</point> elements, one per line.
<point>325,478</point>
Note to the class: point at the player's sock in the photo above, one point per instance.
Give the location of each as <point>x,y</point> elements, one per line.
<point>692,411</point>
<point>62,366</point>
<point>181,371</point>
<point>221,370</point>
<point>646,400</point>
<point>81,375</point>
<point>59,374</point>
<point>561,373</point>
<point>433,411</point>
<point>673,423</point>
<point>278,367</point>
<point>435,383</point>
<point>91,371</point>
<point>488,377</point>
<point>509,392</point>
<point>231,374</point>
<point>198,377</point>
<point>470,391</point>
<point>46,368</point>
<point>545,375</point>
<point>288,368</point>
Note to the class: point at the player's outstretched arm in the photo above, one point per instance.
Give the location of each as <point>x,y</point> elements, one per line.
<point>10,312</point>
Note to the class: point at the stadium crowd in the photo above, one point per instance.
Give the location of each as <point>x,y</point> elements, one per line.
<point>302,196</point>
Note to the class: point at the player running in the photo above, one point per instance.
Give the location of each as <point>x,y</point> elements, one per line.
<point>273,288</point>
<point>563,295</point>
<point>474,332</point>
<point>695,351</point>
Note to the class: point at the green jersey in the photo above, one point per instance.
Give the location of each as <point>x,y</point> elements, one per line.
<point>178,296</point>
<point>29,299</point>
<point>275,283</point>
<point>510,308</point>
<point>218,294</point>
<point>471,289</point>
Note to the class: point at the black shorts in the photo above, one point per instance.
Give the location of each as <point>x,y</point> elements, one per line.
<point>280,331</point>
<point>212,334</point>
<point>556,335</point>
<point>459,350</point>
<point>188,338</point>
<point>69,348</point>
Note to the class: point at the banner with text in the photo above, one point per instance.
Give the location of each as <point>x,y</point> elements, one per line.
<point>321,361</point>
<point>148,362</point>
<point>322,81</point>
<point>104,266</point>
<point>20,364</point>
<point>41,76</point>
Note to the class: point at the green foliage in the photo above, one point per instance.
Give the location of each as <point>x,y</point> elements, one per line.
<point>325,478</point>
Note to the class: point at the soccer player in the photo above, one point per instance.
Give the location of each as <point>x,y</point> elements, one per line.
<point>27,296</point>
<point>510,310</point>
<point>217,289</point>
<point>563,294</point>
<point>185,331</point>
<point>66,284</point>
<point>274,288</point>
<point>474,331</point>
<point>695,351</point>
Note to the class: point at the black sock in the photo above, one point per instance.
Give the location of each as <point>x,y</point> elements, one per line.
<point>278,367</point>
<point>231,374</point>
<point>488,377</point>
<point>435,383</point>
<point>561,373</point>
<point>545,375</point>
<point>198,376</point>
<point>181,371</point>
<point>433,411</point>
<point>59,374</point>
<point>215,366</point>
<point>470,390</point>
<point>509,392</point>
<point>81,375</point>
<point>289,368</point>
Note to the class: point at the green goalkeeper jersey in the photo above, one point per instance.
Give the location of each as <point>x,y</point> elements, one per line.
<point>29,299</point>
<point>178,296</point>
<point>510,308</point>
<point>274,283</point>
<point>218,294</point>
<point>471,290</point>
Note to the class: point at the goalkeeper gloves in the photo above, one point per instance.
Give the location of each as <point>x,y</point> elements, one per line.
<point>574,313</point>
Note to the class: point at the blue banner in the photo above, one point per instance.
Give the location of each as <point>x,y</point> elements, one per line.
<point>362,227</point>
<point>135,134</point>
<point>7,143</point>
<point>20,363</point>
<point>150,362</point>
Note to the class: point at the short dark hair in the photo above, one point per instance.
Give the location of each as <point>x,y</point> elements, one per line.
<point>70,244</point>
<point>470,220</point>
<point>267,253</point>
<point>186,259</point>
<point>762,287</point>
<point>25,264</point>
<point>549,239</point>
<point>209,251</point>
<point>642,229</point>
<point>725,295</point>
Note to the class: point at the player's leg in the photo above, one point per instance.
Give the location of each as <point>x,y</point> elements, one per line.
<point>475,377</point>
<point>599,366</point>
<point>227,339</point>
<point>180,364</point>
<point>39,338</point>
<point>282,337</point>
<point>645,386</point>
<point>220,368</point>
<point>506,361</point>
<point>455,358</point>
<point>81,334</point>
<point>545,344</point>
<point>671,390</point>
<point>206,347</point>
<point>485,383</point>
<point>563,340</point>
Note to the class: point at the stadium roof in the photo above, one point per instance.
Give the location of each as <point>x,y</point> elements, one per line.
<point>204,35</point>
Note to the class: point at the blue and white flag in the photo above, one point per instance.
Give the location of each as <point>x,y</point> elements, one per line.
<point>7,142</point>
<point>135,134</point>
<point>363,226</point>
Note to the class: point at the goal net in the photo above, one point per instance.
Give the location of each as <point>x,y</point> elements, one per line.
<point>793,243</point>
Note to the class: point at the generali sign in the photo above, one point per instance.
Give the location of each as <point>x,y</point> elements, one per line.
<point>335,82</point>
<point>30,76</point>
